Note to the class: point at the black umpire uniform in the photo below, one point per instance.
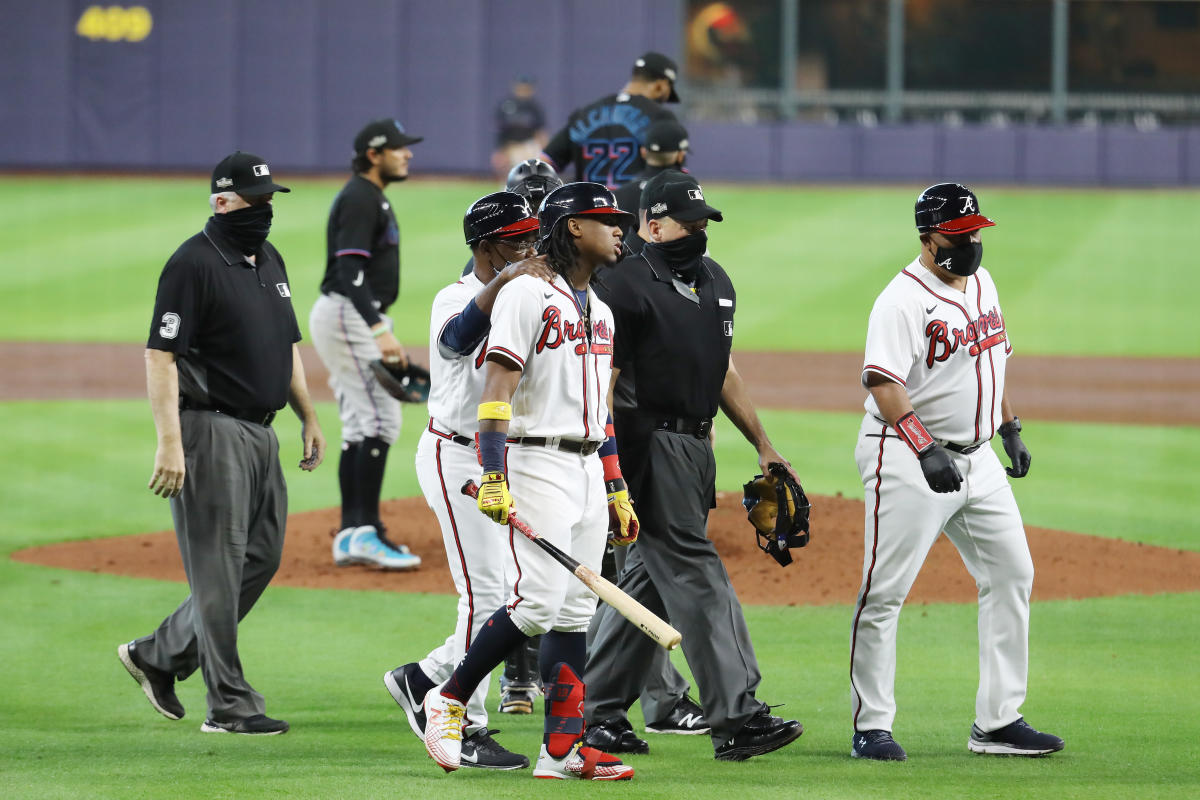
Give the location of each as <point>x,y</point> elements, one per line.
<point>231,326</point>
<point>674,327</point>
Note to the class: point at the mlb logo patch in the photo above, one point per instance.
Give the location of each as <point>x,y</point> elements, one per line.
<point>729,327</point>
<point>261,170</point>
<point>695,194</point>
<point>284,291</point>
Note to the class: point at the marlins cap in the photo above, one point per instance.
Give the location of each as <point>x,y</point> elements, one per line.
<point>246,174</point>
<point>656,65</point>
<point>382,133</point>
<point>665,136</point>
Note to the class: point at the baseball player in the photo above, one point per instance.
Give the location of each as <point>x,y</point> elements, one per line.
<point>501,230</point>
<point>664,147</point>
<point>350,328</point>
<point>934,369</point>
<point>548,360</point>
<point>603,139</point>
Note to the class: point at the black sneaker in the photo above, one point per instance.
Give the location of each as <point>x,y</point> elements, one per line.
<point>1015,739</point>
<point>480,750</point>
<point>615,736</point>
<point>876,745</point>
<point>762,733</point>
<point>158,686</point>
<point>686,718</point>
<point>399,682</point>
<point>257,725</point>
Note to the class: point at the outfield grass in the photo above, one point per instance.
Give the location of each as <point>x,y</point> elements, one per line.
<point>1080,272</point>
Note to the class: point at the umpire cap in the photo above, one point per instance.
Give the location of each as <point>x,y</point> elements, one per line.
<point>677,195</point>
<point>533,179</point>
<point>949,208</point>
<point>246,174</point>
<point>381,133</point>
<point>577,199</point>
<point>499,215</point>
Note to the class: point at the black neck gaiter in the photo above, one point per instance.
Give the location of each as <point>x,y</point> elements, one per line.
<point>246,228</point>
<point>683,255</point>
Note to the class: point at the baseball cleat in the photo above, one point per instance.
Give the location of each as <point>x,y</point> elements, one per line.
<point>686,718</point>
<point>1015,739</point>
<point>518,697</point>
<point>341,548</point>
<point>366,546</point>
<point>582,763</point>
<point>158,686</point>
<point>443,729</point>
<point>399,685</point>
<point>257,725</point>
<point>876,745</point>
<point>481,751</point>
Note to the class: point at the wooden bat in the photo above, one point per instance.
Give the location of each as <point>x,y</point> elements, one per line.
<point>645,620</point>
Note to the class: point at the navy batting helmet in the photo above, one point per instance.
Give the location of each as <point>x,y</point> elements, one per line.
<point>498,216</point>
<point>533,179</point>
<point>949,208</point>
<point>575,199</point>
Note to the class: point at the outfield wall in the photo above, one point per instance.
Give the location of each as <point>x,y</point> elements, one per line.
<point>169,84</point>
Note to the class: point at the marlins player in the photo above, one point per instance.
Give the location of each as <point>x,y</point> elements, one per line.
<point>549,358</point>
<point>935,357</point>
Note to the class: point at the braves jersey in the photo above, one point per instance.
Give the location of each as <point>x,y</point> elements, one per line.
<point>566,362</point>
<point>945,347</point>
<point>603,139</point>
<point>456,382</point>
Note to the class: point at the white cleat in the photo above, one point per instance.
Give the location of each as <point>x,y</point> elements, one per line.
<point>444,718</point>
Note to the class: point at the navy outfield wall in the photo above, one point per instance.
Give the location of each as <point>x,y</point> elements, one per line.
<point>294,79</point>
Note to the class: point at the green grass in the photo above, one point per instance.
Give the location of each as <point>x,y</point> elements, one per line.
<point>1080,272</point>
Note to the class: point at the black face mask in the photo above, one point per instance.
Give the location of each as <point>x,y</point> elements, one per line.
<point>683,255</point>
<point>962,260</point>
<point>247,227</point>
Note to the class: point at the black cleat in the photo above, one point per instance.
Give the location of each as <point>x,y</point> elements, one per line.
<point>480,750</point>
<point>1015,739</point>
<point>158,686</point>
<point>257,725</point>
<point>686,718</point>
<point>876,745</point>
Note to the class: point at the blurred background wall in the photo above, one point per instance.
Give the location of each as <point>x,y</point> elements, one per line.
<point>1021,91</point>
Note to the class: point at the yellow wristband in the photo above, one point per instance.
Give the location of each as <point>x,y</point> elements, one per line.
<point>495,410</point>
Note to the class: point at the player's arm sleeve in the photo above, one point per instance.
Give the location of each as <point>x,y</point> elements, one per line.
<point>892,342</point>
<point>177,305</point>
<point>354,237</point>
<point>558,150</point>
<point>516,321</point>
<point>462,332</point>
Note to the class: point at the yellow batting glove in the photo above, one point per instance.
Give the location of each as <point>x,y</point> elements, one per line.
<point>493,498</point>
<point>622,519</point>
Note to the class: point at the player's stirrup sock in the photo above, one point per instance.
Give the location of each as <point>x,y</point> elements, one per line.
<point>496,639</point>
<point>562,647</point>
<point>347,466</point>
<point>372,459</point>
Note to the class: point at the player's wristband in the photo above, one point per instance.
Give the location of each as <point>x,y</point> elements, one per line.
<point>491,450</point>
<point>608,453</point>
<point>495,410</point>
<point>1013,426</point>
<point>614,486</point>
<point>380,332</point>
<point>913,432</point>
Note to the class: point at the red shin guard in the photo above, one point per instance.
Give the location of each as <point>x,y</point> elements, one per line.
<point>564,711</point>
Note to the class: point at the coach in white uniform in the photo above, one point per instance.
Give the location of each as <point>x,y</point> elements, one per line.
<point>934,367</point>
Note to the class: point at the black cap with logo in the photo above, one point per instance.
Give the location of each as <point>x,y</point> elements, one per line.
<point>381,133</point>
<point>665,136</point>
<point>676,195</point>
<point>656,65</point>
<point>246,174</point>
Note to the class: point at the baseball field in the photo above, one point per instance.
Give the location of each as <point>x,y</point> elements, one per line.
<point>1098,290</point>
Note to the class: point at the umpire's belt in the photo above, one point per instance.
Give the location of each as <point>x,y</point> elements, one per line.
<point>259,416</point>
<point>693,427</point>
<point>457,438</point>
<point>580,446</point>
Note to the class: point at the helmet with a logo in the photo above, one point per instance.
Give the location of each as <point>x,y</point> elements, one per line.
<point>573,200</point>
<point>498,215</point>
<point>533,179</point>
<point>949,208</point>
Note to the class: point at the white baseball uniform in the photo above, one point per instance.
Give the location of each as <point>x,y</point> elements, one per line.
<point>947,349</point>
<point>561,397</point>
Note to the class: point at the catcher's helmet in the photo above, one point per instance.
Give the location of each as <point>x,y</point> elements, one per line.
<point>497,216</point>
<point>533,179</point>
<point>575,199</point>
<point>949,208</point>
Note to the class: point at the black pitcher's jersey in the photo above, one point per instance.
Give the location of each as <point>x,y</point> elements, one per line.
<point>362,223</point>
<point>603,139</point>
<point>518,119</point>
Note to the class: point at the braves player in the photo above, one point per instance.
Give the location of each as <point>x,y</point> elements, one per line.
<point>350,328</point>
<point>500,229</point>
<point>935,367</point>
<point>603,139</point>
<point>548,362</point>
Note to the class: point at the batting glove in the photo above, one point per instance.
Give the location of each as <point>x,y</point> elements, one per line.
<point>493,498</point>
<point>622,519</point>
<point>1018,453</point>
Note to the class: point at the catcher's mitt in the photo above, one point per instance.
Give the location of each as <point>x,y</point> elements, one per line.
<point>407,384</point>
<point>778,509</point>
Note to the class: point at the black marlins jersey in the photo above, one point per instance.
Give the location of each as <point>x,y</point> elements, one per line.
<point>603,139</point>
<point>361,222</point>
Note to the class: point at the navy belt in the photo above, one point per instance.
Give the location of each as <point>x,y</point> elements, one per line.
<point>258,416</point>
<point>580,446</point>
<point>692,427</point>
<point>958,448</point>
<point>457,438</point>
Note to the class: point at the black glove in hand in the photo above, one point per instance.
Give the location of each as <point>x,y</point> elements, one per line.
<point>940,472</point>
<point>1018,454</point>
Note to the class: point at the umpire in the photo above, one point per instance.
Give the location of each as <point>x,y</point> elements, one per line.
<point>664,147</point>
<point>673,308</point>
<point>220,361</point>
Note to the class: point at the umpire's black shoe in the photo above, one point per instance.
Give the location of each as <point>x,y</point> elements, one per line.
<point>685,718</point>
<point>876,745</point>
<point>762,734</point>
<point>1014,739</point>
<point>159,686</point>
<point>257,725</point>
<point>480,750</point>
<point>614,736</point>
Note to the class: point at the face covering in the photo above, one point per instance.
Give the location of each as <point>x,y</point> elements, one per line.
<point>247,227</point>
<point>962,260</point>
<point>683,255</point>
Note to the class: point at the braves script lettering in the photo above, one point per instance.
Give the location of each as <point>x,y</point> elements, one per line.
<point>979,335</point>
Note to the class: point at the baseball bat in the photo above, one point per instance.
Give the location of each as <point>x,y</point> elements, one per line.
<point>645,620</point>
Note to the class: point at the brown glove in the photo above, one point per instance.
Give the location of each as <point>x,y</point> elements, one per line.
<point>778,509</point>
<point>408,384</point>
